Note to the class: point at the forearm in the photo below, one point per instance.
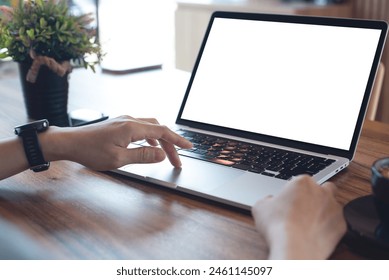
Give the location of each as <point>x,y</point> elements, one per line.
<point>13,159</point>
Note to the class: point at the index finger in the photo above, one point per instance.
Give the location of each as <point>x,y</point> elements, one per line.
<point>161,132</point>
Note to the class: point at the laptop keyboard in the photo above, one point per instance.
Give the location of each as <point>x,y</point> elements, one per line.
<point>265,160</point>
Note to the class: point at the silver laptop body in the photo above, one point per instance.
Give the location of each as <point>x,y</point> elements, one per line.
<point>295,83</point>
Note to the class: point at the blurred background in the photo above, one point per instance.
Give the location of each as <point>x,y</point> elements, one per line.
<point>138,34</point>
<point>143,34</point>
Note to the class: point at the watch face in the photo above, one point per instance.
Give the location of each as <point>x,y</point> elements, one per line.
<point>39,126</point>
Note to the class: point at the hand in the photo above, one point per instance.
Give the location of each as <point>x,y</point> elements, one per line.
<point>304,221</point>
<point>103,146</point>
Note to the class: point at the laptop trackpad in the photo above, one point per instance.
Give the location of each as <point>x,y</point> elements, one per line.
<point>248,188</point>
<point>195,174</point>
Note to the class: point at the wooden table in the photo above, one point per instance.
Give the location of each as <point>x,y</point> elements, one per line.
<point>77,213</point>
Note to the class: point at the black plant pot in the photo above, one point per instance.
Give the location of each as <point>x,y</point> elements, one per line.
<point>47,98</point>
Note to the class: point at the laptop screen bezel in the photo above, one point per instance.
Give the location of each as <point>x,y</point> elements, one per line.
<point>343,22</point>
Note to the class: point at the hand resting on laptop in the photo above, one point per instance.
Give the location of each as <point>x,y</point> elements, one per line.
<point>304,221</point>
<point>100,146</point>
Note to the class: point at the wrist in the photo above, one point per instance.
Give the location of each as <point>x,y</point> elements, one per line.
<point>31,144</point>
<point>301,241</point>
<point>289,243</point>
<point>54,143</point>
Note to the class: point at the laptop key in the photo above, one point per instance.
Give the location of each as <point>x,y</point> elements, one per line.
<point>222,161</point>
<point>256,169</point>
<point>242,166</point>
<point>268,174</point>
<point>200,151</point>
<point>284,176</point>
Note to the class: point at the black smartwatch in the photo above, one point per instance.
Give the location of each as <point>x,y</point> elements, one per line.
<point>29,134</point>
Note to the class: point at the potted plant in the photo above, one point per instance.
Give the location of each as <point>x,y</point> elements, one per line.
<point>46,40</point>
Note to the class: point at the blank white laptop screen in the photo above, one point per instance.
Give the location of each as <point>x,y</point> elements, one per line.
<point>286,80</point>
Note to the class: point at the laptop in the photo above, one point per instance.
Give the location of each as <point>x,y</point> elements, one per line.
<point>270,97</point>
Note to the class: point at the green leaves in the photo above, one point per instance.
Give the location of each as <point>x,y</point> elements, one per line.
<point>31,34</point>
<point>47,27</point>
<point>42,23</point>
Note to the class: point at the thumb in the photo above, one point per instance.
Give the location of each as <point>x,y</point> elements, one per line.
<point>145,155</point>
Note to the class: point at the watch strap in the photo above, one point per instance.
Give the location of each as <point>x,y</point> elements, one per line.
<point>33,151</point>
